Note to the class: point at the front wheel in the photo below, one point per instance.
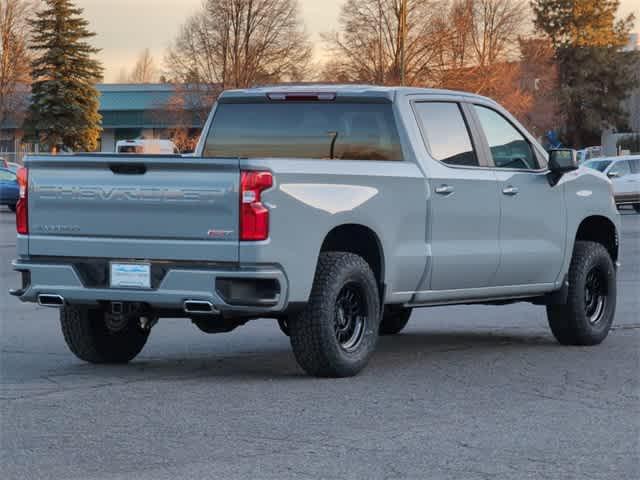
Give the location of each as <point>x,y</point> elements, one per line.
<point>636,207</point>
<point>336,333</point>
<point>587,316</point>
<point>90,338</point>
<point>12,208</point>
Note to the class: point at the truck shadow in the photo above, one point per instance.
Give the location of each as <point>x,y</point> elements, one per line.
<point>278,362</point>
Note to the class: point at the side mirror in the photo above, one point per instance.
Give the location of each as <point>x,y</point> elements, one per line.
<point>613,174</point>
<point>563,160</point>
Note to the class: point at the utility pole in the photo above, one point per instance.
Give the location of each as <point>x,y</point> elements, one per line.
<point>381,70</point>
<point>402,40</point>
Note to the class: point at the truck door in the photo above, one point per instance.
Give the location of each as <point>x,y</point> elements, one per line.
<point>464,204</point>
<point>533,213</point>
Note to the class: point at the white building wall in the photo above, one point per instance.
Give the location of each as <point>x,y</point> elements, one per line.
<point>148,133</point>
<point>108,141</point>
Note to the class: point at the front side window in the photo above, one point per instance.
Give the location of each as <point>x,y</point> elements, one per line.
<point>446,133</point>
<point>509,148</point>
<point>322,130</point>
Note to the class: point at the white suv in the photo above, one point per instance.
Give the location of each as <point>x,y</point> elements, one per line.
<point>624,172</point>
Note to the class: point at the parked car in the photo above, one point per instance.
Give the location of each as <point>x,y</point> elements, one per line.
<point>624,173</point>
<point>13,166</point>
<point>8,189</point>
<point>149,147</point>
<point>589,153</point>
<point>4,163</point>
<point>336,210</point>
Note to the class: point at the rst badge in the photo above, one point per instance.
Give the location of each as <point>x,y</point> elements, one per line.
<point>219,234</point>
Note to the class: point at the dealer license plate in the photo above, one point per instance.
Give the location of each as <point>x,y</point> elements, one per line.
<point>130,275</point>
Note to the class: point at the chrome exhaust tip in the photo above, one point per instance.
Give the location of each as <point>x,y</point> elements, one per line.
<point>50,300</point>
<point>199,307</point>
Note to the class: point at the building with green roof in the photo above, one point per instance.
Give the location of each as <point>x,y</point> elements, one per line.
<point>131,111</point>
<point>149,111</point>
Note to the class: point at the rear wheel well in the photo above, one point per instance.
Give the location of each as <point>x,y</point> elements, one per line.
<point>360,240</point>
<point>601,230</point>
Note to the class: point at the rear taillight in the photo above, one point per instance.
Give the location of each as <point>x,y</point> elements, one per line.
<point>254,216</point>
<point>22,207</point>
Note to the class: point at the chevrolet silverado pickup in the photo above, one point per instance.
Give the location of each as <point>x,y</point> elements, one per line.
<point>335,210</point>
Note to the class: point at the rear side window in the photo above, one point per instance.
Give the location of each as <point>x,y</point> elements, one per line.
<point>635,166</point>
<point>346,131</point>
<point>509,148</point>
<point>446,133</point>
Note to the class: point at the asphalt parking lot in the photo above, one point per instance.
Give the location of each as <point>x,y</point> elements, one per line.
<point>463,393</point>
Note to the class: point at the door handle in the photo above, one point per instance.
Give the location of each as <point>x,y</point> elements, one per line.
<point>510,190</point>
<point>444,190</point>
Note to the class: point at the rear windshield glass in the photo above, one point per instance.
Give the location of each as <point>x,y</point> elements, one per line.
<point>131,149</point>
<point>601,166</point>
<point>347,131</point>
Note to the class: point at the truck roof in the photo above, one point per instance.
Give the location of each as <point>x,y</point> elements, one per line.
<point>343,90</point>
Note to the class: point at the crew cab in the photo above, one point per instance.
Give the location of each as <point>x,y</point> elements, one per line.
<point>335,210</point>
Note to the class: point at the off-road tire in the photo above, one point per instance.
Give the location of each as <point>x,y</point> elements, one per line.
<point>89,339</point>
<point>313,332</point>
<point>394,320</point>
<point>569,322</point>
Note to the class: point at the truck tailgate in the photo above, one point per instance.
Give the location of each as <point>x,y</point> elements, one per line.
<point>142,207</point>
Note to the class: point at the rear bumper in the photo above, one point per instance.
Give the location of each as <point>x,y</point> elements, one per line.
<point>175,287</point>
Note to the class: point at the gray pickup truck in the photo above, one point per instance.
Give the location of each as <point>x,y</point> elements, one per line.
<point>334,210</point>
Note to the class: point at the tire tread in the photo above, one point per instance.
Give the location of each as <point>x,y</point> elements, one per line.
<point>311,340</point>
<point>567,321</point>
<point>96,345</point>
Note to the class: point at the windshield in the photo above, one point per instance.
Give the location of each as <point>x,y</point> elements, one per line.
<point>600,165</point>
<point>348,131</point>
<point>6,176</point>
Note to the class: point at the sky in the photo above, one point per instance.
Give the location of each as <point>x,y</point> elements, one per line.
<point>126,27</point>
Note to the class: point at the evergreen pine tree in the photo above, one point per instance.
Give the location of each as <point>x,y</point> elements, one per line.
<point>595,75</point>
<point>65,101</point>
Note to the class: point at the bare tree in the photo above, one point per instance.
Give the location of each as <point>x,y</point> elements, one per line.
<point>444,42</point>
<point>369,45</point>
<point>186,111</point>
<point>145,70</point>
<point>540,80</point>
<point>237,43</point>
<point>14,58</point>
<point>496,27</point>
<point>482,52</point>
